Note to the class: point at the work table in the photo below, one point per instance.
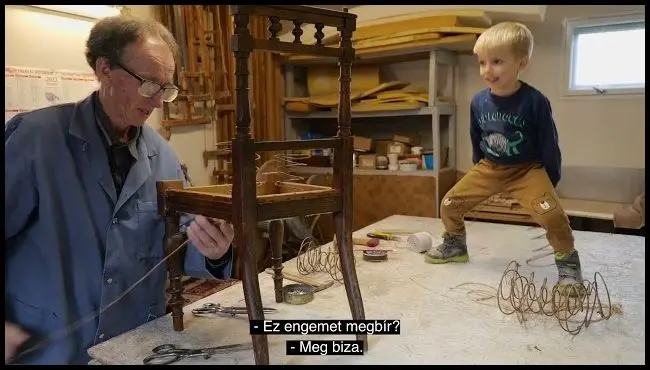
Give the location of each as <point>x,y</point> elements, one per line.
<point>440,324</point>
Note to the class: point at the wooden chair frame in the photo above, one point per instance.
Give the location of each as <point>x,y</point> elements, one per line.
<point>246,201</point>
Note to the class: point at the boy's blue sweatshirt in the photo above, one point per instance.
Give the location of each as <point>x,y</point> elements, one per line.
<point>518,129</point>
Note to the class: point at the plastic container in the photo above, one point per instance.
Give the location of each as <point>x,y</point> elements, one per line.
<point>428,161</point>
<point>420,242</point>
<point>408,166</point>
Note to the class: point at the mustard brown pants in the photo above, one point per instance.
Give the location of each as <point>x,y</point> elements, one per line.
<point>528,184</point>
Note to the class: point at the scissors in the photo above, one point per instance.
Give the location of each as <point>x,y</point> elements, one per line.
<point>215,308</point>
<point>168,353</point>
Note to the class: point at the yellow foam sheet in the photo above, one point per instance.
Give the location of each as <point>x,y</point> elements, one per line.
<point>324,80</point>
<point>458,42</point>
<point>442,31</point>
<point>296,99</point>
<point>396,94</point>
<point>380,102</point>
<point>409,91</point>
<point>434,19</point>
<point>386,86</point>
<point>405,97</point>
<point>298,106</point>
<point>332,99</point>
<point>371,43</point>
<point>386,106</point>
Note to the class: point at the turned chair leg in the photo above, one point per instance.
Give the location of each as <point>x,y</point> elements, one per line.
<point>348,270</point>
<point>276,237</point>
<point>172,242</point>
<point>245,242</point>
<point>176,286</point>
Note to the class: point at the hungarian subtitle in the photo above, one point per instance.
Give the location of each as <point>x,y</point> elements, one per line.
<point>325,327</point>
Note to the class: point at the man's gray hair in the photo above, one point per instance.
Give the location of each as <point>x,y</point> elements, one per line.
<point>110,36</point>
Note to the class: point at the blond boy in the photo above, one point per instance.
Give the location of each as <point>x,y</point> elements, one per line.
<point>515,150</point>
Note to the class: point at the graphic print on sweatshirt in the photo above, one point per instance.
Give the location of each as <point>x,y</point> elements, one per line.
<point>503,133</point>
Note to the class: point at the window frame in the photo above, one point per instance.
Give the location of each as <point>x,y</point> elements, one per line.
<point>571,25</point>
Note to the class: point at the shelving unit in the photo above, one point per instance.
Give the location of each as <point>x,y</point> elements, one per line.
<point>436,121</point>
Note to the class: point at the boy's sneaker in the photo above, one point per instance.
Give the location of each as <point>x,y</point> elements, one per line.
<point>452,249</point>
<point>569,273</point>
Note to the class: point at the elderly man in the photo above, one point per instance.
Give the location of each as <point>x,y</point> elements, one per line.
<point>81,221</point>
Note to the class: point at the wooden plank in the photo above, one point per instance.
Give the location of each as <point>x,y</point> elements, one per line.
<point>296,49</point>
<point>492,209</point>
<point>266,146</point>
<point>590,208</point>
<point>215,154</point>
<point>572,207</point>
<point>183,122</point>
<point>385,41</point>
<point>194,97</point>
<point>383,26</point>
<point>298,207</point>
<point>459,43</point>
<point>499,217</point>
<point>306,14</point>
<point>428,30</point>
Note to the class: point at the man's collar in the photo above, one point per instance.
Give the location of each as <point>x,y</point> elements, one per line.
<point>109,134</point>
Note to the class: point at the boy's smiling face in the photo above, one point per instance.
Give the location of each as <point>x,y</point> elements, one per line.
<point>500,68</point>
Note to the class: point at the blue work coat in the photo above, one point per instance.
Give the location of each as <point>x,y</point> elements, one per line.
<point>72,245</point>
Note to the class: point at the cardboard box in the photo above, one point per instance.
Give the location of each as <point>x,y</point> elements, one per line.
<point>362,144</point>
<point>398,148</point>
<point>368,161</point>
<point>381,146</point>
<point>409,139</point>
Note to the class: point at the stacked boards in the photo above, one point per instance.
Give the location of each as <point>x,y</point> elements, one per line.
<point>368,93</point>
<point>455,31</point>
<point>501,207</point>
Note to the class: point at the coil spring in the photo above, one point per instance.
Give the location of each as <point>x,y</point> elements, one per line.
<point>313,258</point>
<point>573,306</point>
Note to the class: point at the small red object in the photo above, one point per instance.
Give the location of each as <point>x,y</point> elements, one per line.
<point>372,242</point>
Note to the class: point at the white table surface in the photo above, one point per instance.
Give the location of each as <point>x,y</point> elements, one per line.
<point>440,324</point>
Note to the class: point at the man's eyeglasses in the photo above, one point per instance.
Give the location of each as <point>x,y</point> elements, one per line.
<point>149,89</point>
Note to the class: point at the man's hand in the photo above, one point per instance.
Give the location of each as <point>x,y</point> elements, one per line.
<point>212,237</point>
<point>14,337</point>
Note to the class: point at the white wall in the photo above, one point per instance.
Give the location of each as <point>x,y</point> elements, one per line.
<point>594,131</point>
<point>40,39</point>
<point>43,39</point>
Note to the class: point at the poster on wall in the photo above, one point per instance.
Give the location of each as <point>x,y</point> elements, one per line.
<point>29,88</point>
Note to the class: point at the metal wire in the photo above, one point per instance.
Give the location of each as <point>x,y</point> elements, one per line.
<point>573,306</point>
<point>314,258</point>
<point>530,261</point>
<point>289,159</point>
<point>282,164</point>
<point>68,330</point>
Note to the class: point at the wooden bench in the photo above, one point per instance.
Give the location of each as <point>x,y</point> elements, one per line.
<point>573,207</point>
<point>590,208</point>
<point>589,195</point>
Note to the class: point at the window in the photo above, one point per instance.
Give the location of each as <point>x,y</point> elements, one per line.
<point>606,55</point>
